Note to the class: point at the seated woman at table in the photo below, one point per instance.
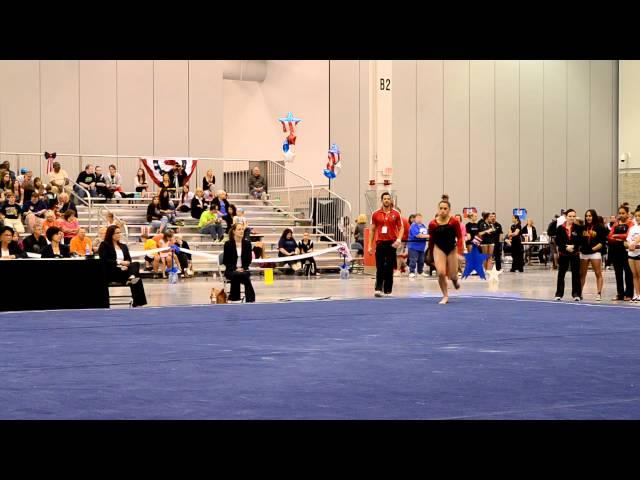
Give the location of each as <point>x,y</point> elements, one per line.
<point>119,267</point>
<point>529,234</point>
<point>9,249</point>
<point>56,249</point>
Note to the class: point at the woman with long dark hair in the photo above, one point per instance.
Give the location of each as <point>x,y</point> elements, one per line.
<point>287,247</point>
<point>237,256</point>
<point>619,255</point>
<point>444,235</point>
<point>140,181</point>
<point>594,239</point>
<point>166,207</point>
<point>569,239</point>
<point>119,267</point>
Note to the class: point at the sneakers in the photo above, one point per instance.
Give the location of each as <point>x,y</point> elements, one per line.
<point>576,299</point>
<point>598,298</point>
<point>425,274</point>
<point>557,299</point>
<point>388,295</point>
<point>412,275</point>
<point>378,294</point>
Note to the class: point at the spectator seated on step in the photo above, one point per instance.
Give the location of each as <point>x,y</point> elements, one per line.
<point>164,261</point>
<point>167,207</point>
<point>148,244</point>
<point>11,213</point>
<point>35,242</point>
<point>69,226</point>
<point>184,204</point>
<point>87,180</point>
<point>102,232</point>
<point>65,203</point>
<point>306,246</point>
<point>257,183</point>
<point>288,247</point>
<point>211,224</point>
<point>81,244</point>
<point>198,204</point>
<point>50,220</point>
<point>223,207</point>
<point>9,249</point>
<point>33,211</point>
<point>58,180</point>
<point>157,220</point>
<point>183,257</point>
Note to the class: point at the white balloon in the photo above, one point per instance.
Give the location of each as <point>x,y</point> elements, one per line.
<point>289,155</point>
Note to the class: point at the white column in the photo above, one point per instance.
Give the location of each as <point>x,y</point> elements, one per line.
<point>380,120</point>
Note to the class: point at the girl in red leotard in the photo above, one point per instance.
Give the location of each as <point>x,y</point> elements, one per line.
<point>444,236</point>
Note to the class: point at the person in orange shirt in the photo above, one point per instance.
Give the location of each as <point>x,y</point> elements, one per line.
<point>80,244</point>
<point>49,221</point>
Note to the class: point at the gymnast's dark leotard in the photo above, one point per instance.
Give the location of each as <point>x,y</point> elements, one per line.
<point>444,236</point>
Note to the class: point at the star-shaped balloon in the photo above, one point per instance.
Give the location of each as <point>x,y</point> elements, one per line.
<point>494,274</point>
<point>474,260</point>
<point>290,118</point>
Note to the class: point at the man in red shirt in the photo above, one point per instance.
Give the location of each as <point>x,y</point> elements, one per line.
<point>387,229</point>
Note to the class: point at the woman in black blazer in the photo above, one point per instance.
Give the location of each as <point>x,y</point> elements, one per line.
<point>235,274</point>
<point>56,249</point>
<point>8,245</point>
<point>119,267</point>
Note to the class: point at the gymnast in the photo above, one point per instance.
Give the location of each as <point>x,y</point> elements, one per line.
<point>444,234</point>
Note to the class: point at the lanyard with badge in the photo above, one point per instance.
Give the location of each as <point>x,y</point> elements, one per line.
<point>384,228</point>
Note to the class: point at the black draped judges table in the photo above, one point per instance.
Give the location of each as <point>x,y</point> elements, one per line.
<point>53,284</point>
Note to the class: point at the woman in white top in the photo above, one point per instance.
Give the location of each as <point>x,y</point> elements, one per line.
<point>633,244</point>
<point>185,199</point>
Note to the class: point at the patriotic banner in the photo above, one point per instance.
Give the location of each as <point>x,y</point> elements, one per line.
<point>156,167</point>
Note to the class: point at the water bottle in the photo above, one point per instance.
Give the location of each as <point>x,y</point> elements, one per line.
<point>173,277</point>
<point>87,251</point>
<point>344,272</point>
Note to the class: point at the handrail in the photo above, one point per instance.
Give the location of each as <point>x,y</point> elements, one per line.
<point>346,227</point>
<point>88,202</point>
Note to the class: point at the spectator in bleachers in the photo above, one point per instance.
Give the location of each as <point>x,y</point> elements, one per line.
<point>9,249</point>
<point>358,233</point>
<point>65,203</point>
<point>119,267</point>
<point>18,192</point>
<point>33,211</point>
<point>287,247</point>
<point>186,196</point>
<point>81,244</point>
<point>18,241</point>
<point>240,218</point>
<point>157,220</point>
<point>87,180</point>
<point>12,213</point>
<point>140,181</point>
<point>237,257</point>
<point>114,182</point>
<point>38,186</point>
<point>59,179</point>
<point>7,166</point>
<point>148,244</point>
<point>180,176</point>
<point>27,184</point>
<point>163,261</point>
<point>168,183</point>
<point>167,207</point>
<point>183,257</point>
<point>102,232</point>
<point>35,242</point>
<point>257,183</point>
<point>198,204</point>
<point>101,184</point>
<point>208,181</point>
<point>5,181</point>
<point>69,226</point>
<point>211,224</point>
<point>56,249</point>
<point>306,246</point>
<point>223,207</point>
<point>50,220</point>
<point>210,194</point>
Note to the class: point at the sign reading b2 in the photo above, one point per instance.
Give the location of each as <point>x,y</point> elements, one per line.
<point>385,84</point>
